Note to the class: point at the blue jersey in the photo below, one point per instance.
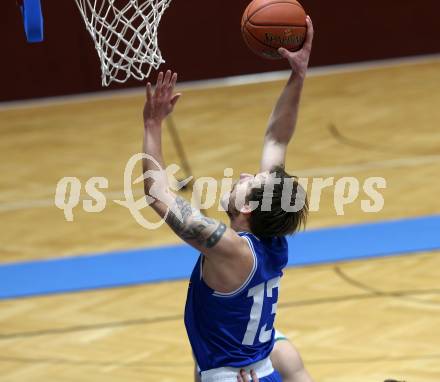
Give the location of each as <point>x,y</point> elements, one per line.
<point>236,329</point>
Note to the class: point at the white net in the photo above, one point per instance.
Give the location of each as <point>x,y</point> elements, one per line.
<point>125,36</point>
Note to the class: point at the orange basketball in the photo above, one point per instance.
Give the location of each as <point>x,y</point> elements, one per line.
<point>270,24</point>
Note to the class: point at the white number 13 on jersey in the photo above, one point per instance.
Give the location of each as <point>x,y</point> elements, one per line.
<point>257,292</point>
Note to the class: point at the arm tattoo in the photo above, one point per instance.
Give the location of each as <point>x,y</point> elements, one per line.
<point>190,224</point>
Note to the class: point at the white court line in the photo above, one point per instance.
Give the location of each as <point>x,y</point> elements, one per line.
<point>224,82</point>
<point>348,169</point>
<point>367,166</point>
<point>43,203</point>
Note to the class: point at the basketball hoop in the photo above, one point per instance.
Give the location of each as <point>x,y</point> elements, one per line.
<point>125,36</point>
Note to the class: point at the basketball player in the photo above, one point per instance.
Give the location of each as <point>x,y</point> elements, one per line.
<point>233,291</point>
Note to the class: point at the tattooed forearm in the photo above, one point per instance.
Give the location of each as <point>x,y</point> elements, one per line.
<point>215,236</point>
<point>190,224</point>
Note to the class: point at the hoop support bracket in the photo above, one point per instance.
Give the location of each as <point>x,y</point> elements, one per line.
<point>32,20</point>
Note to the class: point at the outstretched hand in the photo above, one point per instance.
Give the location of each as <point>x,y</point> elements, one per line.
<point>161,102</point>
<point>300,60</point>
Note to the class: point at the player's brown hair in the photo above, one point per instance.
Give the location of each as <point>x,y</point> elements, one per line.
<point>276,221</point>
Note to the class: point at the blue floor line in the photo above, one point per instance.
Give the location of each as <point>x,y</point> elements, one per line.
<point>142,266</point>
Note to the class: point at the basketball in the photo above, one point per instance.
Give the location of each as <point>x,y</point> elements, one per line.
<point>270,24</point>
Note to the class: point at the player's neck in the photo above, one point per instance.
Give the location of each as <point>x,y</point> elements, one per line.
<point>240,224</point>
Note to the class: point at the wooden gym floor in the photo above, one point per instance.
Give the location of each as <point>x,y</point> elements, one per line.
<point>356,321</point>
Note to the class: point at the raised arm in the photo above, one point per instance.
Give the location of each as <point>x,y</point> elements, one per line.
<point>222,246</point>
<point>284,116</point>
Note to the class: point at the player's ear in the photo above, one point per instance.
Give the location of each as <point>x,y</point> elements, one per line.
<point>246,209</point>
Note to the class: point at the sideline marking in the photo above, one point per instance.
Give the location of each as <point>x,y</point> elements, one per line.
<point>151,265</point>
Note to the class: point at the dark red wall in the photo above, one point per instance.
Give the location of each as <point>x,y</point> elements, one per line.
<point>201,39</point>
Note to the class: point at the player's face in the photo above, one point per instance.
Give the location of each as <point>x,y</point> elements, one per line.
<point>234,201</point>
